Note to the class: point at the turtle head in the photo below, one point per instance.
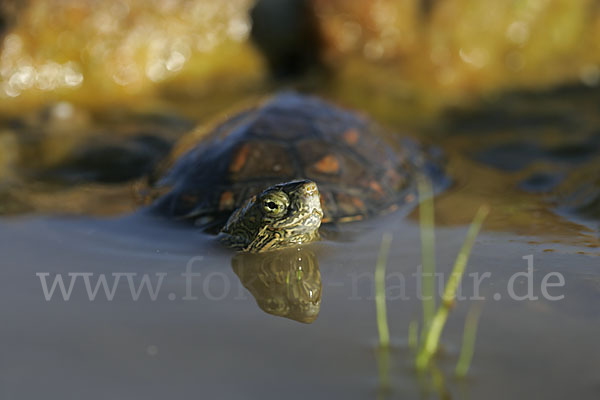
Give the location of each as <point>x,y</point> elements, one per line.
<point>283,215</point>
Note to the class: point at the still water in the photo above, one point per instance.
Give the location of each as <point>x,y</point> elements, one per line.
<point>221,325</point>
<point>219,343</point>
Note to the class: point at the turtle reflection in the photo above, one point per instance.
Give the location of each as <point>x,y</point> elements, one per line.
<point>286,283</point>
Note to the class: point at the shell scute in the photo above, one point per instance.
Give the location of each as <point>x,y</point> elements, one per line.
<point>261,159</point>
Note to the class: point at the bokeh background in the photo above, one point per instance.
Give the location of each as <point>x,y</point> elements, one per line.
<point>94,94</point>
<point>433,52</point>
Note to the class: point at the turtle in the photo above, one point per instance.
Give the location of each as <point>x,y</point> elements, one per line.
<point>268,176</point>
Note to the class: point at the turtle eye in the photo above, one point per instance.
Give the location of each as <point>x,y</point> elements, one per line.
<point>273,206</point>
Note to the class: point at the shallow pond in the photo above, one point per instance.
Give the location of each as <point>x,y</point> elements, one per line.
<point>230,333</point>
<point>218,343</point>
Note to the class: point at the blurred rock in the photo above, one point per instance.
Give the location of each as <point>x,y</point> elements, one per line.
<point>11,203</point>
<point>9,11</point>
<point>454,49</point>
<point>65,144</point>
<point>107,160</point>
<point>9,155</point>
<point>48,135</point>
<point>579,194</point>
<point>537,144</point>
<point>288,34</point>
<point>92,52</point>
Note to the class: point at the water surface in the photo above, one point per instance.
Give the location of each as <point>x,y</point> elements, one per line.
<point>534,162</point>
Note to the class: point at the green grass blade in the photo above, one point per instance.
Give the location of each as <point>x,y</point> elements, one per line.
<point>432,336</point>
<point>468,342</point>
<point>439,383</point>
<point>383,368</point>
<point>463,255</point>
<point>413,334</point>
<point>382,322</point>
<point>426,222</point>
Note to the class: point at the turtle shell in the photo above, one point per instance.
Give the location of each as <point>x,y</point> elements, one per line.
<point>289,137</point>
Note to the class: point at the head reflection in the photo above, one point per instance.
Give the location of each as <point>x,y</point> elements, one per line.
<point>286,283</point>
